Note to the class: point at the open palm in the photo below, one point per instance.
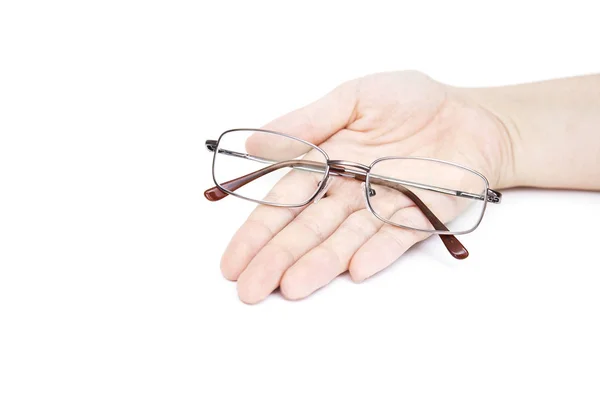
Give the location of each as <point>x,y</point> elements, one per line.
<point>390,114</point>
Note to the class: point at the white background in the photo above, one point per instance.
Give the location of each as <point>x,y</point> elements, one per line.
<point>109,254</point>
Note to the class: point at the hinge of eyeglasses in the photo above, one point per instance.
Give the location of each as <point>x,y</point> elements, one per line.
<point>211,145</point>
<point>494,196</point>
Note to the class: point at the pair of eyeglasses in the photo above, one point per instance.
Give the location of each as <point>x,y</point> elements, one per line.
<point>424,194</point>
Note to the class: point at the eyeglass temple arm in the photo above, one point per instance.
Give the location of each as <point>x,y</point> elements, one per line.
<point>453,245</point>
<point>215,193</point>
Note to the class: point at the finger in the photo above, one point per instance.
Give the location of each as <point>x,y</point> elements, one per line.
<point>315,122</point>
<point>323,263</point>
<point>310,228</point>
<point>266,221</point>
<point>387,245</point>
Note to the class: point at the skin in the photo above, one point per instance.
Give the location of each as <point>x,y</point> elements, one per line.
<point>513,135</point>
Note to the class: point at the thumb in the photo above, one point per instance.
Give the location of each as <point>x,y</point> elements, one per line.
<point>314,123</point>
<point>319,120</point>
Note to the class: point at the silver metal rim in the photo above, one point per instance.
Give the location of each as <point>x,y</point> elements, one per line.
<point>268,203</point>
<point>436,232</point>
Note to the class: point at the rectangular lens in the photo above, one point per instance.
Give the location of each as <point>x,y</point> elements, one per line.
<point>268,167</point>
<point>429,195</point>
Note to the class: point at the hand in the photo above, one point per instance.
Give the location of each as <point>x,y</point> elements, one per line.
<point>389,114</point>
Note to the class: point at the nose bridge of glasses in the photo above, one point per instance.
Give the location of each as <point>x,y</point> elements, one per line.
<point>348,169</point>
<point>351,164</point>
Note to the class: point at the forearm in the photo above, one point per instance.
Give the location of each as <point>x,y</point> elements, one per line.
<point>553,129</point>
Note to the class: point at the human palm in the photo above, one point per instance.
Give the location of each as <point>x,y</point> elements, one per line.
<point>390,114</point>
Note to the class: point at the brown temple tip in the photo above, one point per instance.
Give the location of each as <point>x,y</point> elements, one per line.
<point>455,247</point>
<point>215,194</point>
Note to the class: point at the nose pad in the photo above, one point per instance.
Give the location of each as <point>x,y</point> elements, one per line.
<point>323,191</point>
<point>372,193</point>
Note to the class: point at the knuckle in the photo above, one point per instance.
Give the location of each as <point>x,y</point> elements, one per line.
<point>357,225</point>
<point>347,208</point>
<point>313,225</point>
<point>401,238</point>
<point>254,223</point>
<point>277,252</point>
<point>273,197</point>
<point>332,259</point>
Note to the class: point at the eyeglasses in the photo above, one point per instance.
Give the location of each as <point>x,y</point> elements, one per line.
<point>423,194</point>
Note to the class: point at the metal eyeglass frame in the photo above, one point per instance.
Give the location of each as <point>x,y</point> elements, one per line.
<point>354,170</point>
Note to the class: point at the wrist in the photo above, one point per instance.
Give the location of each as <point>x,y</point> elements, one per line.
<point>550,129</point>
<point>506,137</point>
